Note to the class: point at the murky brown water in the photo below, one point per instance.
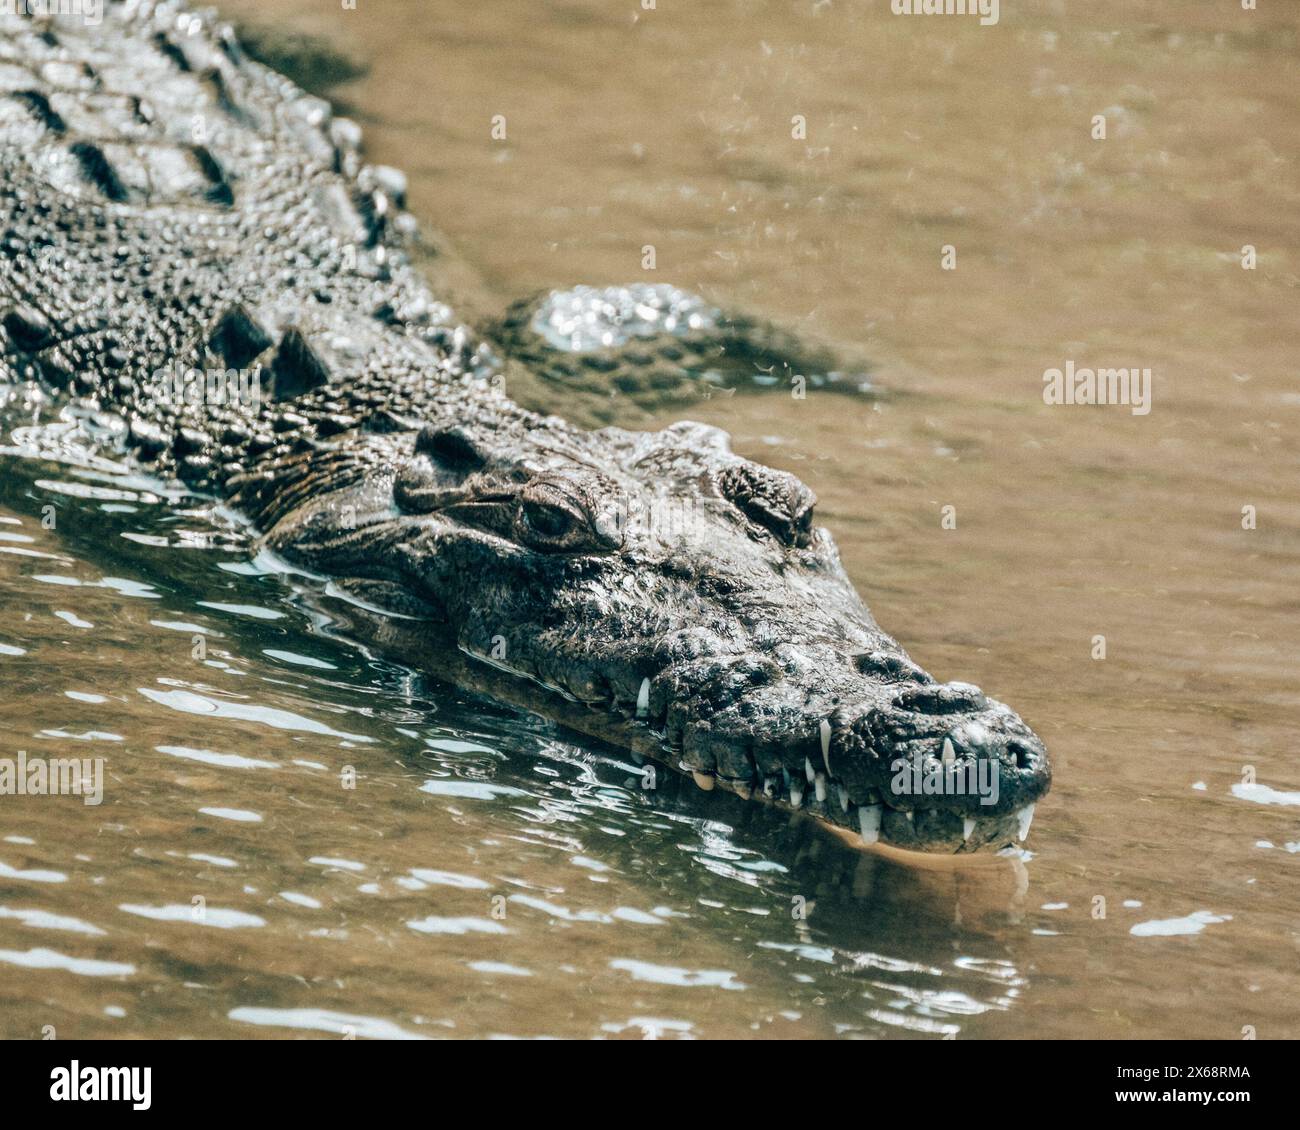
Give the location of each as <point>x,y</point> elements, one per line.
<point>379,908</point>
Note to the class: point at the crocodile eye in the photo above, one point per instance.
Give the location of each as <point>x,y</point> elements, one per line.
<point>548,521</point>
<point>557,518</point>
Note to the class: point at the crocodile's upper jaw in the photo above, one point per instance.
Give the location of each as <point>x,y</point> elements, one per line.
<point>660,592</point>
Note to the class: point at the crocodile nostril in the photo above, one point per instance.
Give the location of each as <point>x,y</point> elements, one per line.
<point>1025,757</point>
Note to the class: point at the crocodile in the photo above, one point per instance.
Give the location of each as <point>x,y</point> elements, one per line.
<point>202,269</point>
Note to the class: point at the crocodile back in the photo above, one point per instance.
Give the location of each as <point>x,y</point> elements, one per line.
<point>193,244</point>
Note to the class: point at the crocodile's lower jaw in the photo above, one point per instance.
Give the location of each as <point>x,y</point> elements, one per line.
<point>929,830</point>
<point>933,831</point>
<point>820,796</point>
<point>918,830</point>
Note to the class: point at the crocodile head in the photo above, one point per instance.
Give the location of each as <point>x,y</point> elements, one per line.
<point>664,593</point>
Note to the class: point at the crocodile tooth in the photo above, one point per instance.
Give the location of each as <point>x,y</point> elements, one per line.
<point>910,817</point>
<point>819,784</point>
<point>809,771</point>
<point>785,776</point>
<point>825,730</point>
<point>704,780</point>
<point>967,827</point>
<point>643,699</point>
<point>844,799</point>
<point>769,786</point>
<point>949,754</point>
<point>869,817</point>
<point>796,794</point>
<point>1024,818</point>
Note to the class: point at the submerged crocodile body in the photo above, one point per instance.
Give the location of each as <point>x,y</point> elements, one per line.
<point>173,208</point>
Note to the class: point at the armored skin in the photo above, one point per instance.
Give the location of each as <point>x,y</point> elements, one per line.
<point>196,256</point>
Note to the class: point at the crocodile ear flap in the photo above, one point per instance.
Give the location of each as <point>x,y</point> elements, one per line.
<point>450,447</point>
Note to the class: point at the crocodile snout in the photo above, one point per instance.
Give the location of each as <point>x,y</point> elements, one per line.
<point>940,767</point>
<point>935,767</point>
